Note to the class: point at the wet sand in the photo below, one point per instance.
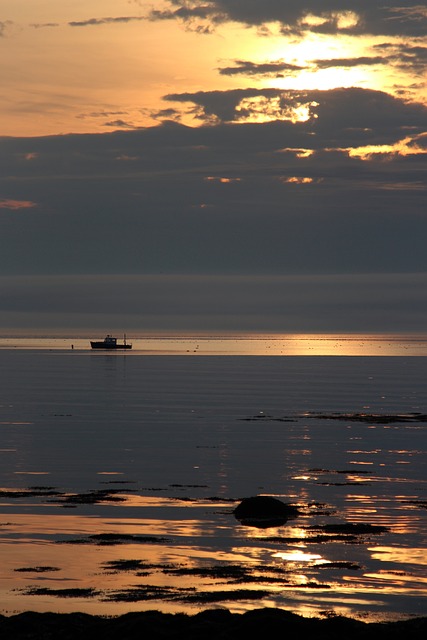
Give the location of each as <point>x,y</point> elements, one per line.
<point>210,624</point>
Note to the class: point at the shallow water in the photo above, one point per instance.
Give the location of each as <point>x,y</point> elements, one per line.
<point>157,451</point>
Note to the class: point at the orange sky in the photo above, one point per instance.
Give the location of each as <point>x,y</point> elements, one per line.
<point>94,65</point>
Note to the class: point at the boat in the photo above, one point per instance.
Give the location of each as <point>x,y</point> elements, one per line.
<point>110,342</point>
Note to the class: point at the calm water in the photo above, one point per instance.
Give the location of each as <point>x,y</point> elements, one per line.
<point>255,345</point>
<point>153,453</point>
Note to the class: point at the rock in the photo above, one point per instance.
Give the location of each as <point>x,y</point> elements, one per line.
<point>264,512</point>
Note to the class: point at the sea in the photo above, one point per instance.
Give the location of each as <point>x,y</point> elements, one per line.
<point>120,473</point>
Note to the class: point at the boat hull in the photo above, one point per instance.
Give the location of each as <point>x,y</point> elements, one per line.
<point>109,347</point>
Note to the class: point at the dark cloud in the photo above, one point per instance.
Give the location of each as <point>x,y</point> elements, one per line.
<point>199,17</point>
<point>273,226</point>
<point>405,57</point>
<point>365,16</point>
<point>101,114</point>
<point>421,141</point>
<point>348,62</point>
<point>164,114</point>
<point>334,115</point>
<point>119,124</point>
<point>91,22</point>
<point>278,198</point>
<point>280,68</point>
<point>44,25</point>
<point>340,119</point>
<point>271,69</point>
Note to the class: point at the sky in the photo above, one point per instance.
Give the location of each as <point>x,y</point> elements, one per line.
<point>213,166</point>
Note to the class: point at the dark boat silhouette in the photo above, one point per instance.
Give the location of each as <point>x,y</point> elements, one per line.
<point>110,343</point>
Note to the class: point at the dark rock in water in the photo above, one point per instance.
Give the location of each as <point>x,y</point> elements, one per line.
<point>264,512</point>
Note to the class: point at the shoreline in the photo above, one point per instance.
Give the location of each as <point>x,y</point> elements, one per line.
<point>208,624</point>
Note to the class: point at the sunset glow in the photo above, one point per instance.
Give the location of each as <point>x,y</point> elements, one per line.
<point>266,140</point>
<point>213,314</point>
<point>129,72</point>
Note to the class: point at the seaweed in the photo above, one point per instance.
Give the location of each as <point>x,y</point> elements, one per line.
<point>116,538</point>
<point>74,592</point>
<point>37,569</point>
<point>376,418</point>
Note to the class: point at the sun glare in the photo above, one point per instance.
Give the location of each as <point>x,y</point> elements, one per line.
<point>318,59</point>
<point>325,79</point>
<point>267,109</point>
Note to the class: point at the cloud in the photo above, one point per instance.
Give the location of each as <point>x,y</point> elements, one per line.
<point>348,62</point>
<point>279,209</point>
<point>226,106</point>
<point>163,114</point>
<point>270,69</point>
<point>333,118</point>
<point>272,199</point>
<point>201,17</point>
<point>280,68</point>
<point>420,141</point>
<point>100,114</point>
<point>404,56</point>
<point>93,22</point>
<point>119,124</point>
<point>14,205</point>
<point>331,16</point>
<point>298,180</point>
<point>4,26</point>
<point>339,120</point>
<point>44,25</point>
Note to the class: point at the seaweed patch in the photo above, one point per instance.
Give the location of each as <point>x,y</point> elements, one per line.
<point>116,538</point>
<point>62,593</point>
<point>37,569</point>
<point>375,418</point>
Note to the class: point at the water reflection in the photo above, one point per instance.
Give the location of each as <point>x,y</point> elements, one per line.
<point>398,555</point>
<point>297,556</point>
<point>146,469</point>
<point>242,344</point>
<point>133,562</point>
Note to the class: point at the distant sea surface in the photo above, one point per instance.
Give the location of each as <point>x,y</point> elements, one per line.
<point>244,344</point>
<point>120,472</point>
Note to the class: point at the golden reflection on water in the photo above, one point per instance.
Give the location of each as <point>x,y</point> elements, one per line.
<point>241,344</point>
<point>28,541</point>
<point>300,345</point>
<point>297,555</point>
<point>400,555</point>
<point>85,566</point>
<point>397,580</point>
